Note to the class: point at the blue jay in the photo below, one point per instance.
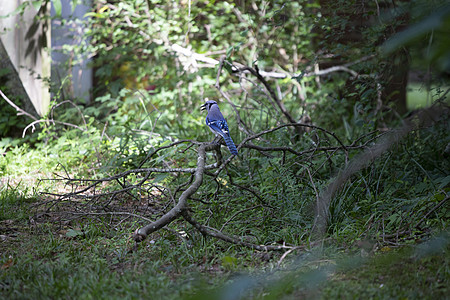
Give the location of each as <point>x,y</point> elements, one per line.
<point>218,124</point>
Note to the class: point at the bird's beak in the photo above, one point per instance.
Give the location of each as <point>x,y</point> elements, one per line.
<point>203,107</point>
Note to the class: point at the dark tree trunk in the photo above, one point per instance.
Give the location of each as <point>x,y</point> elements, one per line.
<point>395,80</point>
<point>354,19</point>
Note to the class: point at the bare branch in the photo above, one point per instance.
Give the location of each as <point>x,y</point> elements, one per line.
<point>18,109</point>
<point>166,147</point>
<point>255,136</point>
<point>46,121</point>
<point>255,72</point>
<point>101,203</point>
<point>237,213</point>
<point>244,127</point>
<point>219,235</point>
<point>190,59</point>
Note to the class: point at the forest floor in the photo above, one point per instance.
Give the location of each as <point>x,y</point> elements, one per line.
<point>44,255</point>
<point>41,258</point>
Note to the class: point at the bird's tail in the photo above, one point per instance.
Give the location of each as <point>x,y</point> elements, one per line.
<point>231,146</point>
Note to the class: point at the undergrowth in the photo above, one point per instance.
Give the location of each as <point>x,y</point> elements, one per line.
<point>390,205</point>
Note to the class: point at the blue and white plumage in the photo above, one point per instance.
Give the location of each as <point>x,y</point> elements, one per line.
<point>218,124</point>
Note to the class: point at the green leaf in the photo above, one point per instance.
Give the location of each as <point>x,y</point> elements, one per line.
<point>73,233</point>
<point>58,7</point>
<point>237,46</point>
<point>160,177</point>
<point>244,33</point>
<point>37,4</point>
<point>444,182</point>
<point>4,71</point>
<point>229,262</point>
<point>229,50</point>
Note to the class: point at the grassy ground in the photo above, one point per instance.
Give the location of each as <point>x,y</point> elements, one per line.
<point>406,273</point>
<point>42,260</point>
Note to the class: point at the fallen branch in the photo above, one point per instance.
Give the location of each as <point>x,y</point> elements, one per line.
<point>142,233</point>
<point>219,235</point>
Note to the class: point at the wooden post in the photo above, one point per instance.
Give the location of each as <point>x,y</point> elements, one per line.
<point>24,53</point>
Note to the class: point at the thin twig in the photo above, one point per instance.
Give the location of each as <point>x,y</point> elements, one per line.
<point>255,72</point>
<point>18,109</point>
<point>283,257</point>
<point>432,210</point>
<point>219,235</point>
<point>225,95</point>
<point>237,213</point>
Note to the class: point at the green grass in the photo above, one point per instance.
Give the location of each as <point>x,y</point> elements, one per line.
<point>64,271</point>
<point>402,274</point>
<point>14,200</point>
<point>51,267</point>
<point>46,261</point>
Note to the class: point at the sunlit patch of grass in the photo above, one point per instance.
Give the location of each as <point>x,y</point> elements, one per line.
<point>418,96</point>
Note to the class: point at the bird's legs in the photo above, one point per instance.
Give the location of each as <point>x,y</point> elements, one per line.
<point>216,140</point>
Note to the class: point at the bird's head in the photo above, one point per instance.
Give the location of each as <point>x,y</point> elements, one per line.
<point>208,105</point>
